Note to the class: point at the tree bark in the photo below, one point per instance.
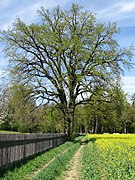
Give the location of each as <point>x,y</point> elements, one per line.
<point>125,128</point>
<point>69,122</point>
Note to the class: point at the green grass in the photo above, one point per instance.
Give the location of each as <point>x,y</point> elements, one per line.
<point>35,164</point>
<point>57,166</point>
<point>8,132</point>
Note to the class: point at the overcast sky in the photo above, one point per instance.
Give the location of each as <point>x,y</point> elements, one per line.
<point>120,11</point>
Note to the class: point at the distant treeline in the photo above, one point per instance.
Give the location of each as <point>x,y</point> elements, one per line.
<point>101,115</point>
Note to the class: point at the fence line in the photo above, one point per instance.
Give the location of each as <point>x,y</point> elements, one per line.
<point>18,147</point>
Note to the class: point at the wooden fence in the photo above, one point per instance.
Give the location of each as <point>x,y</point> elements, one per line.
<point>18,147</point>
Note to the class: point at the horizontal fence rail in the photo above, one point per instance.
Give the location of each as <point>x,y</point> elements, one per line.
<point>18,147</point>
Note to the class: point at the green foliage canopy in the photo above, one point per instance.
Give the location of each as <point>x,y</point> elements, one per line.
<point>65,56</point>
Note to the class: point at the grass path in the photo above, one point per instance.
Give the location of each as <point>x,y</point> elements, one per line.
<point>73,168</point>
<point>47,166</point>
<point>34,174</point>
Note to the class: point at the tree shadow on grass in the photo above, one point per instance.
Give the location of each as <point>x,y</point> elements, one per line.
<point>84,140</point>
<point>92,140</point>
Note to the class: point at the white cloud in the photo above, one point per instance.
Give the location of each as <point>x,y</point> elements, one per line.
<point>26,11</point>
<point>5,3</point>
<point>129,84</point>
<point>127,7</point>
<point>3,62</point>
<point>117,11</point>
<point>1,72</point>
<point>3,75</point>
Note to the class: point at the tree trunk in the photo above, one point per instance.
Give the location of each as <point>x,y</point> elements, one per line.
<point>86,129</point>
<point>96,126</point>
<point>70,124</point>
<point>125,128</point>
<point>69,128</point>
<point>65,125</point>
<point>92,129</point>
<point>102,129</point>
<point>68,113</point>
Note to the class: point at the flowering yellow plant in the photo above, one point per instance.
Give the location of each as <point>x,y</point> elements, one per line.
<point>114,155</point>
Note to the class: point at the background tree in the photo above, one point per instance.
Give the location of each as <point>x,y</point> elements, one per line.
<point>52,120</point>
<point>4,98</point>
<point>105,112</point>
<point>130,115</point>
<point>21,111</point>
<point>64,56</point>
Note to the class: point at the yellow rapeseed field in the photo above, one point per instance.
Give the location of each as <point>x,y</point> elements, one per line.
<point>114,154</point>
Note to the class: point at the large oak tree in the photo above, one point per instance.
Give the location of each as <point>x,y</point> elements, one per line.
<point>65,56</point>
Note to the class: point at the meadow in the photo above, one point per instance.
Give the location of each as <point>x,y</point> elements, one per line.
<point>8,132</point>
<point>102,157</point>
